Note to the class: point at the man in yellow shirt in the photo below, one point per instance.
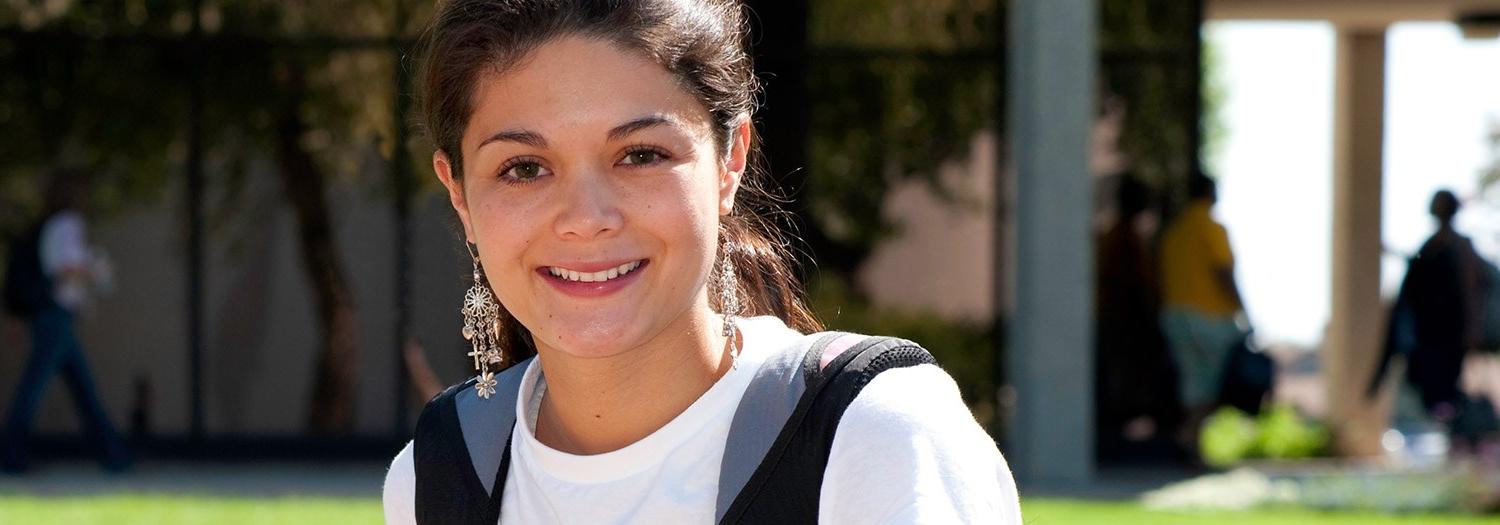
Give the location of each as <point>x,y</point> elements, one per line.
<point>1199,301</point>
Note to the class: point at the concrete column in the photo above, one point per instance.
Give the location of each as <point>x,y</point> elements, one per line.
<point>1356,328</point>
<point>1049,359</point>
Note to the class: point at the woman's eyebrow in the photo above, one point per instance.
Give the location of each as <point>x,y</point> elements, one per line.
<point>534,139</point>
<point>529,138</point>
<point>623,130</point>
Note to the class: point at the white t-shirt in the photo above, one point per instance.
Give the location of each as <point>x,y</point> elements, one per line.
<point>63,244</point>
<point>907,450</point>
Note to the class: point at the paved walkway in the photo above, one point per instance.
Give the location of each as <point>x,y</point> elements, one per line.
<point>1112,483</point>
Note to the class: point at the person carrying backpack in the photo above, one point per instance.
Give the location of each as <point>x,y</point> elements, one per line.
<point>48,274</point>
<point>643,348</point>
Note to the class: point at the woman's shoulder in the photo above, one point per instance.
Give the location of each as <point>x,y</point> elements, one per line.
<point>899,388</point>
<point>914,404</point>
<point>922,397</point>
<point>910,429</point>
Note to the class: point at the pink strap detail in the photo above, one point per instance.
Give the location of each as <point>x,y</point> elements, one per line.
<point>837,348</point>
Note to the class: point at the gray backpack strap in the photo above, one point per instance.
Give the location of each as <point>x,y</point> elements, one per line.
<point>769,400</point>
<point>487,423</point>
<point>786,487</point>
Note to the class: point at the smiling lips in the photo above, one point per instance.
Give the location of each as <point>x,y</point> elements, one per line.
<point>596,283</point>
<point>592,277</point>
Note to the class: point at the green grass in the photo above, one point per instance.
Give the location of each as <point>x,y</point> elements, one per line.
<point>156,509</point>
<point>1070,512</point>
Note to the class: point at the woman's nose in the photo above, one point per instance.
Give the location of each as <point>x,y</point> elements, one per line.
<point>589,208</point>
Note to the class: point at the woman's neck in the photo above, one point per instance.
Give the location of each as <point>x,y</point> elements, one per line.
<point>598,405</point>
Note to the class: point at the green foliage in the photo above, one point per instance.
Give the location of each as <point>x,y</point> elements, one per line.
<point>901,87</point>
<point>104,86</point>
<point>1148,60</point>
<point>1229,436</point>
<point>79,103</point>
<point>903,24</point>
<point>1284,435</point>
<point>897,89</point>
<point>1215,95</point>
<point>965,350</point>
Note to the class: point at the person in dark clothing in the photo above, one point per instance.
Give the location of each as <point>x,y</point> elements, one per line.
<point>1136,383</point>
<point>1441,294</point>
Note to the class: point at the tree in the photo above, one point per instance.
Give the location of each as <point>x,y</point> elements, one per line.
<point>103,86</point>
<point>899,89</point>
<point>1151,58</point>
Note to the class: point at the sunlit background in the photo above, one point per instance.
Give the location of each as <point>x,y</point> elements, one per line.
<point>1276,162</point>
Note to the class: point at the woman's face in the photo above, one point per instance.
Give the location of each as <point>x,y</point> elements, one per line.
<point>593,188</point>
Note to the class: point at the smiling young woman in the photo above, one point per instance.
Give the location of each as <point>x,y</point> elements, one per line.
<point>598,155</point>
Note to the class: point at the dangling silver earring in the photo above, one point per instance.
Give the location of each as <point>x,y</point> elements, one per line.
<point>729,300</point>
<point>482,328</point>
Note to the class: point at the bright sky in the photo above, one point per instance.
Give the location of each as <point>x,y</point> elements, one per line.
<point>1275,170</point>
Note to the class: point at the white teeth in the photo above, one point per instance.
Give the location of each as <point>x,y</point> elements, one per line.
<point>593,277</point>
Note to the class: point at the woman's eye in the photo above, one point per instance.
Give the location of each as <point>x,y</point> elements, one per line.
<point>524,171</point>
<point>643,157</point>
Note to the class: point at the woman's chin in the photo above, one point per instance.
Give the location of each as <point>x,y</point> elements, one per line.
<point>606,330</point>
<point>588,340</point>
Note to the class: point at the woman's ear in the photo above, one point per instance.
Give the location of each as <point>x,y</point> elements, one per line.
<point>735,164</point>
<point>455,186</point>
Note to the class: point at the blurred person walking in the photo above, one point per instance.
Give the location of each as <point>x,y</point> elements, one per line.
<point>1441,301</point>
<point>47,282</point>
<point>1200,303</point>
<point>1136,384</point>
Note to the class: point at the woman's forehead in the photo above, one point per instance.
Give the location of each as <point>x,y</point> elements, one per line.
<point>578,85</point>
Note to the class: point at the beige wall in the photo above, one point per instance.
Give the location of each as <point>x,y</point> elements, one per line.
<point>942,259</point>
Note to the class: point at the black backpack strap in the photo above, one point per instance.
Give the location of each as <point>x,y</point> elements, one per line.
<point>786,484</point>
<point>767,404</point>
<point>460,440</point>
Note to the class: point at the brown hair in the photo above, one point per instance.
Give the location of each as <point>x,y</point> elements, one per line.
<point>701,42</point>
